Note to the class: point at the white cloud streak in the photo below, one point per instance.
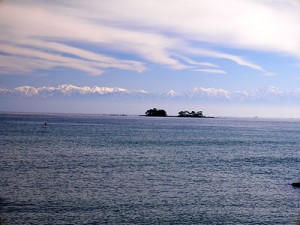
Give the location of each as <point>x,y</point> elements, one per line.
<point>196,63</point>
<point>30,26</point>
<point>264,25</point>
<point>89,62</point>
<point>238,60</point>
<point>211,71</point>
<point>46,32</point>
<point>51,58</point>
<point>254,24</point>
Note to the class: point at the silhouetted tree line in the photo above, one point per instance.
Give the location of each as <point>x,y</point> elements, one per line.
<point>161,112</point>
<point>156,112</point>
<point>190,114</point>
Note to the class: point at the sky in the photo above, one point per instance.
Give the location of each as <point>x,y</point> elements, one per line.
<point>224,57</point>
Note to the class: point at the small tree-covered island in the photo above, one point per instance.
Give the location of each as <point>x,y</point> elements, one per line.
<point>156,112</point>
<point>190,114</point>
<point>163,113</point>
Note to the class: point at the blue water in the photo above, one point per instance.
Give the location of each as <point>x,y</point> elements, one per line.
<point>89,169</point>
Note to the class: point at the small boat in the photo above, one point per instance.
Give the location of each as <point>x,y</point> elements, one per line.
<point>296,184</point>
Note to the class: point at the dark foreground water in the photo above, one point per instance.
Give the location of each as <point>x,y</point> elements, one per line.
<point>138,170</point>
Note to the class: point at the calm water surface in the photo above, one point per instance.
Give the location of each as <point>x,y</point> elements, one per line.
<point>86,169</point>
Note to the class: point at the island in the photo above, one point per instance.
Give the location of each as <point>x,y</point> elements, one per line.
<point>190,114</point>
<point>162,113</point>
<point>156,112</point>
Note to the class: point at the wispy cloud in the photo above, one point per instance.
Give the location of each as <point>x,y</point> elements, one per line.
<point>25,34</point>
<point>263,25</point>
<point>47,55</point>
<point>53,59</point>
<point>238,60</point>
<point>52,35</point>
<point>196,63</point>
<point>211,71</point>
<point>33,26</point>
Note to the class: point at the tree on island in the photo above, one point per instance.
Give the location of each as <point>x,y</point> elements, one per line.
<point>156,112</point>
<point>190,114</point>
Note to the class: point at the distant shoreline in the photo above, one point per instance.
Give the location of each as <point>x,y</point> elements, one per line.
<point>92,114</point>
<point>77,114</point>
<point>199,117</point>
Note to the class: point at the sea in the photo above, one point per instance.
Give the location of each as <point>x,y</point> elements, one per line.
<point>101,169</point>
